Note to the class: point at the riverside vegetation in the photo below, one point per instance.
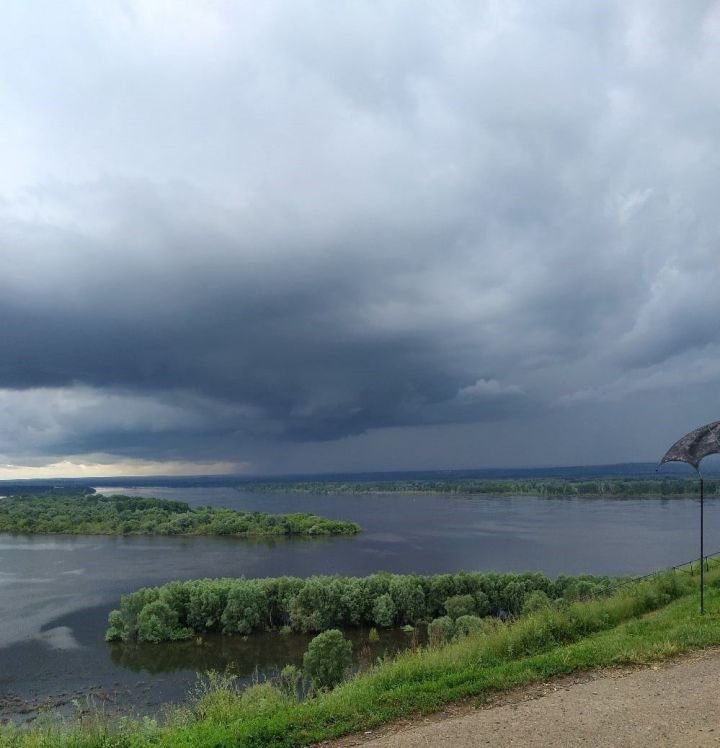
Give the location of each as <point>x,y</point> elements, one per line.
<point>181,610</point>
<point>97,514</point>
<point>608,488</point>
<point>638,623</point>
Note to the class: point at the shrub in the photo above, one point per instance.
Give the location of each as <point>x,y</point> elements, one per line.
<point>513,596</point>
<point>440,631</point>
<point>465,625</point>
<point>158,622</point>
<point>327,658</point>
<point>536,600</point>
<point>245,608</point>
<point>219,699</point>
<point>205,603</point>
<point>384,611</point>
<point>460,605</point>
<point>482,603</point>
<point>409,598</point>
<point>116,628</point>
<point>261,699</point>
<point>289,680</point>
<point>317,605</point>
<point>216,696</point>
<point>373,635</point>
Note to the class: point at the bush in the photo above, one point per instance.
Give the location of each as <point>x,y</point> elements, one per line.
<point>116,628</point>
<point>245,608</point>
<point>327,658</point>
<point>289,680</point>
<point>408,595</point>
<point>460,605</point>
<point>157,623</point>
<point>318,604</point>
<point>261,699</point>
<point>216,696</point>
<point>536,600</point>
<point>440,630</point>
<point>482,604</point>
<point>219,699</point>
<point>384,611</point>
<point>465,625</point>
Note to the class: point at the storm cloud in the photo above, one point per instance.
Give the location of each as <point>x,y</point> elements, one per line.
<point>288,236</point>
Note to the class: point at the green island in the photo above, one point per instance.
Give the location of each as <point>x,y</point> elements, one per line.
<point>97,514</point>
<point>638,623</point>
<point>181,610</point>
<point>608,487</point>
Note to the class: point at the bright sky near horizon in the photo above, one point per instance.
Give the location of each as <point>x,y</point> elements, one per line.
<point>287,237</point>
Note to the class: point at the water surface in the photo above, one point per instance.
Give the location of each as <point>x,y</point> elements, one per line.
<point>56,591</point>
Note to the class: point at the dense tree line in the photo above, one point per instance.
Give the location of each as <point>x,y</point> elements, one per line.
<point>180,610</point>
<point>97,514</point>
<point>10,488</point>
<point>610,487</point>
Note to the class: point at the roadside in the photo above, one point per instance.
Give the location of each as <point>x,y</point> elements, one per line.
<point>675,703</point>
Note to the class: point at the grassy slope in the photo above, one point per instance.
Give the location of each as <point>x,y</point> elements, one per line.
<point>427,680</point>
<point>528,651</point>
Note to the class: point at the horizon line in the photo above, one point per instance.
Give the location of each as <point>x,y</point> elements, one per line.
<point>245,477</point>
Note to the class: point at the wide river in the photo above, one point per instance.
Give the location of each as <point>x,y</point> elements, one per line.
<point>56,591</point>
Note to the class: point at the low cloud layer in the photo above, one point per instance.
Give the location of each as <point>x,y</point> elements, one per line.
<point>317,236</point>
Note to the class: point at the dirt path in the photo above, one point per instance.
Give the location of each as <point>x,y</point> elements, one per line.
<point>674,704</point>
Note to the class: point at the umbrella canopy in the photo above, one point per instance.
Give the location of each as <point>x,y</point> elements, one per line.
<point>695,445</point>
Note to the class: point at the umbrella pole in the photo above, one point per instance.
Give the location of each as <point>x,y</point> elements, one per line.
<point>702,551</point>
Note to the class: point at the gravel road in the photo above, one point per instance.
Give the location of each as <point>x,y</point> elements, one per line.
<point>673,704</point>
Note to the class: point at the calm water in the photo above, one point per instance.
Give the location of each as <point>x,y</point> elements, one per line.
<point>56,591</point>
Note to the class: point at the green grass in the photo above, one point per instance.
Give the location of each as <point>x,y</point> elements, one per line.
<point>646,622</point>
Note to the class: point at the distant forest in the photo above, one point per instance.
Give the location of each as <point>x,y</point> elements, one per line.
<point>610,487</point>
<point>96,514</point>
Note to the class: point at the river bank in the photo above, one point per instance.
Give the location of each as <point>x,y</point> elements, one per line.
<point>57,591</point>
<point>648,621</point>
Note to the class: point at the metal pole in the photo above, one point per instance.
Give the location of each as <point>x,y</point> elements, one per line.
<point>702,551</point>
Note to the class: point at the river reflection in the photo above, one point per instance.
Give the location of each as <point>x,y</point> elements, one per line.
<point>267,653</point>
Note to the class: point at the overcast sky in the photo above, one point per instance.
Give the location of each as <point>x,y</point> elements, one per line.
<point>281,237</point>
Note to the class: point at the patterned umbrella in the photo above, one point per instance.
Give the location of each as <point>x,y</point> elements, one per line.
<point>691,448</point>
<point>695,445</point>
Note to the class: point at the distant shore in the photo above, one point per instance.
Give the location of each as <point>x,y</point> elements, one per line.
<point>556,488</point>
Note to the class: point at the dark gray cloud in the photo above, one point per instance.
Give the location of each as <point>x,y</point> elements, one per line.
<point>356,235</point>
